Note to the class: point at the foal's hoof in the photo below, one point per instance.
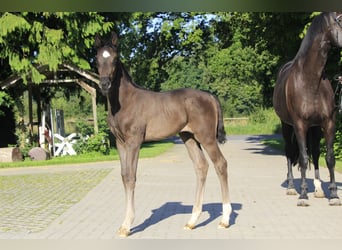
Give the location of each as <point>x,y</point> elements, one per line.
<point>335,202</point>
<point>123,232</point>
<point>223,225</point>
<point>303,203</point>
<point>189,227</point>
<point>291,191</point>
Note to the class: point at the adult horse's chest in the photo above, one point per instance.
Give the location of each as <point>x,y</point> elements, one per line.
<point>306,101</point>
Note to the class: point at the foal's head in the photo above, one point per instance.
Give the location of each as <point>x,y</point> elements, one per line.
<point>106,58</point>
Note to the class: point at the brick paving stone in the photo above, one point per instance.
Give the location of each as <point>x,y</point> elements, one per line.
<point>165,193</point>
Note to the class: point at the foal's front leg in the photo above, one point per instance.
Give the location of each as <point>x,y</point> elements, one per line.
<point>129,160</point>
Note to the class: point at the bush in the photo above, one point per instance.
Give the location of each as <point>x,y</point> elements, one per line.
<point>94,143</point>
<point>91,142</point>
<point>267,117</point>
<point>262,121</point>
<point>338,139</point>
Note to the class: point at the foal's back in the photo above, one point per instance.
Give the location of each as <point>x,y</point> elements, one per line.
<point>181,110</point>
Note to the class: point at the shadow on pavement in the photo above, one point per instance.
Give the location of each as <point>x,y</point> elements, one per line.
<point>265,150</point>
<point>173,208</point>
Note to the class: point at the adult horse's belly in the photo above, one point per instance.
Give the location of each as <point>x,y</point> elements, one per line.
<point>279,103</point>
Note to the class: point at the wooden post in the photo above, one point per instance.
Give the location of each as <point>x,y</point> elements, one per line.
<point>30,111</point>
<point>39,104</point>
<point>91,76</point>
<point>93,100</point>
<point>41,130</point>
<point>92,92</point>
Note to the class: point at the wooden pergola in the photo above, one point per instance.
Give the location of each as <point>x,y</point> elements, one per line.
<point>65,74</point>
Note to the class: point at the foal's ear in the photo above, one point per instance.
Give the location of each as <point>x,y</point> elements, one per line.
<point>114,39</point>
<point>98,41</point>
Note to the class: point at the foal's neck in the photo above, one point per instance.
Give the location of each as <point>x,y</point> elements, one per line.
<point>122,88</point>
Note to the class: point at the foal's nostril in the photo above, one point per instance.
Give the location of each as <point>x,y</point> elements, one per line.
<point>104,79</point>
<point>105,84</point>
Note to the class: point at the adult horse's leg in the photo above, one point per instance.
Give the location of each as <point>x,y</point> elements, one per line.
<point>220,164</point>
<point>201,168</point>
<point>329,135</point>
<point>291,152</point>
<point>129,154</point>
<point>301,131</point>
<point>314,138</point>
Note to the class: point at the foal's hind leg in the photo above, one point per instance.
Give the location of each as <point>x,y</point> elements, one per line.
<point>201,168</point>
<point>220,164</point>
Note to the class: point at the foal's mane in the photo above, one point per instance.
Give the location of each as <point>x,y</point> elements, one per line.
<point>126,74</point>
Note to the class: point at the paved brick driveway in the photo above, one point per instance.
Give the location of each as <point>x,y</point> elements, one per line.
<point>165,192</point>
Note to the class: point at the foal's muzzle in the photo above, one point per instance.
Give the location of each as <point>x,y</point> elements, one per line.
<point>105,85</point>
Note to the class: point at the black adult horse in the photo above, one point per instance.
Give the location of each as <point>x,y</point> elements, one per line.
<point>304,100</point>
<point>137,115</point>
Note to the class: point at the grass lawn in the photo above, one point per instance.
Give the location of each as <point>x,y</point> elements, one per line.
<point>279,144</point>
<point>262,122</point>
<point>150,149</point>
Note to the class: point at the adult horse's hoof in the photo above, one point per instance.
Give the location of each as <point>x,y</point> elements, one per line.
<point>189,227</point>
<point>303,203</point>
<point>123,232</point>
<point>291,191</point>
<point>319,194</point>
<point>335,202</point>
<point>223,225</point>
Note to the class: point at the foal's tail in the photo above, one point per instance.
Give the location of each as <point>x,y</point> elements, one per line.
<point>221,133</point>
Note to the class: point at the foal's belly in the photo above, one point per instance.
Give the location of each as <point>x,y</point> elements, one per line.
<point>163,128</point>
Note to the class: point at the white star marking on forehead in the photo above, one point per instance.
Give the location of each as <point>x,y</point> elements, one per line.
<point>105,54</point>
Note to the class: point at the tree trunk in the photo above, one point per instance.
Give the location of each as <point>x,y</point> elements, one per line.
<point>10,154</point>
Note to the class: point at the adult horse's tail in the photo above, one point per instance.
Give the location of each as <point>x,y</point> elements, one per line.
<point>313,137</point>
<point>221,133</point>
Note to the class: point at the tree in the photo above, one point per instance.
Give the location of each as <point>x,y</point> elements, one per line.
<point>221,52</point>
<point>152,40</point>
<point>237,75</point>
<point>263,32</point>
<point>231,63</point>
<point>29,39</point>
<point>32,40</point>
<point>185,73</point>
